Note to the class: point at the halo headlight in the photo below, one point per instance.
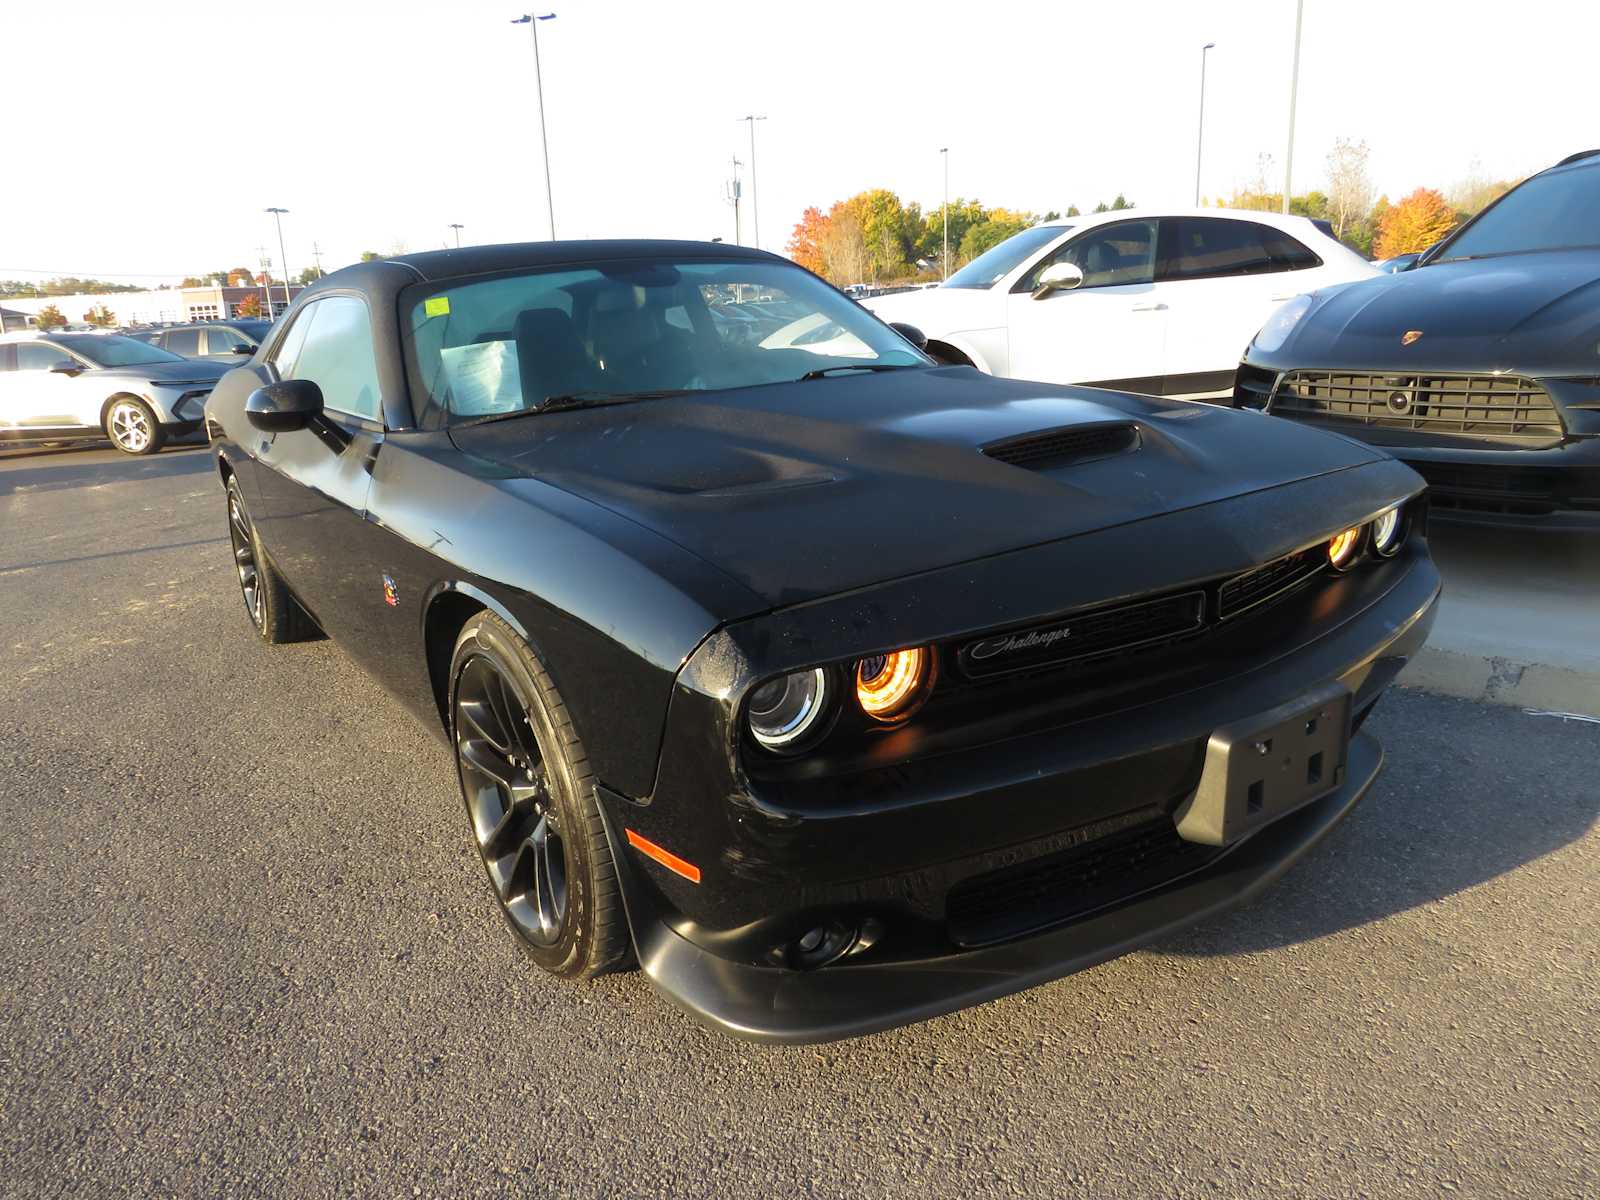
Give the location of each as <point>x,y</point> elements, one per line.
<point>889,686</point>
<point>1342,547</point>
<point>1386,531</point>
<point>783,712</point>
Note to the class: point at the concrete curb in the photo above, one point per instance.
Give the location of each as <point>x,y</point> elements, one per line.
<point>1498,680</point>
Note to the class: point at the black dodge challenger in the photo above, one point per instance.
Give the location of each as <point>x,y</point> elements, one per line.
<point>1479,365</point>
<point>838,688</point>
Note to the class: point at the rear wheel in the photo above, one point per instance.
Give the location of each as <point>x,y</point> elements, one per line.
<point>529,794</point>
<point>132,427</point>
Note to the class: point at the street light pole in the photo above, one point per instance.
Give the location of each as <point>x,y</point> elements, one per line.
<point>1200,138</point>
<point>532,21</point>
<point>457,227</point>
<point>755,195</point>
<point>1294,88</point>
<point>944,258</point>
<point>283,255</point>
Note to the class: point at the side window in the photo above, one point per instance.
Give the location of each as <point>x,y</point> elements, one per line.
<point>1108,256</point>
<point>336,354</point>
<point>1213,247</point>
<point>1286,251</point>
<point>8,359</point>
<point>184,341</point>
<point>221,340</point>
<point>289,348</point>
<point>41,356</point>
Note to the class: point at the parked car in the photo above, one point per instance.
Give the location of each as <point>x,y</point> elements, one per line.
<point>1146,302</point>
<point>837,692</point>
<point>231,341</point>
<point>68,386</point>
<point>1399,262</point>
<point>1479,366</point>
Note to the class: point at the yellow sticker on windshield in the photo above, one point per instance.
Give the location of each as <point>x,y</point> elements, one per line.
<point>436,306</point>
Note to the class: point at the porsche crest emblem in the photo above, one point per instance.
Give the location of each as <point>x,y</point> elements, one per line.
<point>391,593</point>
<point>1410,336</point>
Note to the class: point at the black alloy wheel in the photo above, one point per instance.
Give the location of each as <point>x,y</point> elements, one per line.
<point>244,558</point>
<point>530,798</point>
<point>515,819</point>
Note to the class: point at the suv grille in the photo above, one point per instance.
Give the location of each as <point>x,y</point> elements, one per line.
<point>1046,891</point>
<point>1493,407</point>
<point>1058,447</point>
<point>1467,487</point>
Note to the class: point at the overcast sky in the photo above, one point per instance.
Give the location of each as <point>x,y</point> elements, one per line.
<point>144,139</point>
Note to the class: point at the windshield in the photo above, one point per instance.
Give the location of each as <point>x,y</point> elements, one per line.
<point>515,342</point>
<point>254,329</point>
<point>990,267</point>
<point>114,350</point>
<point>1549,212</point>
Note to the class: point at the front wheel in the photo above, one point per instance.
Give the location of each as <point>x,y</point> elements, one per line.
<point>133,428</point>
<point>529,793</point>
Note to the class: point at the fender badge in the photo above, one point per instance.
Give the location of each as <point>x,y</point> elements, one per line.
<point>391,594</point>
<point>1410,336</point>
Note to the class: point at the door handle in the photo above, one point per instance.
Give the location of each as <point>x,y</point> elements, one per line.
<point>1156,307</point>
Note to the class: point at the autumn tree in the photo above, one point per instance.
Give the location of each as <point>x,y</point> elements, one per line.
<point>50,317</point>
<point>241,277</point>
<point>998,224</point>
<point>1415,223</point>
<point>805,243</point>
<point>844,246</point>
<point>100,315</point>
<point>191,281</point>
<point>1349,185</point>
<point>250,306</point>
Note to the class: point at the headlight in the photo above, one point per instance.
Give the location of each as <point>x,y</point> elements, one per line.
<point>1386,531</point>
<point>783,711</point>
<point>1281,324</point>
<point>889,686</point>
<point>1342,547</point>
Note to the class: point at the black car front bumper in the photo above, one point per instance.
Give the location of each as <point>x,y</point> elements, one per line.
<point>900,857</point>
<point>1555,485</point>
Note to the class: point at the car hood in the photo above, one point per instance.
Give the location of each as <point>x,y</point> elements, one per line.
<point>189,370</point>
<point>1528,313</point>
<point>942,310</point>
<point>805,490</point>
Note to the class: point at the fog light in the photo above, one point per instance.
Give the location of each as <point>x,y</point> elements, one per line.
<point>889,686</point>
<point>1342,547</point>
<point>823,945</point>
<point>1386,531</point>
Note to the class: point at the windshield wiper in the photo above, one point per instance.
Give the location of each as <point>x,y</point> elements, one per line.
<point>578,400</point>
<point>824,372</point>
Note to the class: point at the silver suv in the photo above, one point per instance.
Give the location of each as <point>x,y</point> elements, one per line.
<point>64,386</point>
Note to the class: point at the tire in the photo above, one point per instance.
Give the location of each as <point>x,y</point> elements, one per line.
<point>271,609</point>
<point>132,426</point>
<point>529,795</point>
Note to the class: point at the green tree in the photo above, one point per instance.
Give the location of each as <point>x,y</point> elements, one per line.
<point>370,256</point>
<point>998,224</point>
<point>50,317</point>
<point>1072,211</point>
<point>192,281</point>
<point>309,275</point>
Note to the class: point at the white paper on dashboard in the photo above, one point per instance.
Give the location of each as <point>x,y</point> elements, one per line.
<point>483,378</point>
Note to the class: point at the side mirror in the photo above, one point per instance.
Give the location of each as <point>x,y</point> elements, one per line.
<point>1058,277</point>
<point>284,406</point>
<point>911,334</point>
<point>242,348</point>
<point>66,368</point>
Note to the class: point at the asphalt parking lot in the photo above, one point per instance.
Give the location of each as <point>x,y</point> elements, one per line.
<point>249,951</point>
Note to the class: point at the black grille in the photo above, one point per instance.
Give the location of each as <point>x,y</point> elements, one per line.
<point>1269,582</point>
<point>1489,407</point>
<point>1046,891</point>
<point>1252,386</point>
<point>1092,634</point>
<point>1058,447</point>
<point>1467,488</point>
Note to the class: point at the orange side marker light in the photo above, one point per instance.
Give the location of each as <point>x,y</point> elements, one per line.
<point>666,858</point>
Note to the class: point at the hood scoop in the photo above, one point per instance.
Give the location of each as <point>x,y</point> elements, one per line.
<point>1047,449</point>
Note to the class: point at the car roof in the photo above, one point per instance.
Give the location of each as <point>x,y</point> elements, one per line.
<point>1088,220</point>
<point>482,260</point>
<point>1580,156</point>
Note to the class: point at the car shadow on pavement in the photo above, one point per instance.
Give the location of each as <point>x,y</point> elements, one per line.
<point>50,470</point>
<point>1456,806</point>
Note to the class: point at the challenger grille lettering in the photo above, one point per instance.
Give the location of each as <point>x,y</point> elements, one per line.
<point>1018,641</point>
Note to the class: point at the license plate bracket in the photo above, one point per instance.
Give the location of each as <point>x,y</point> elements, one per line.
<point>1268,765</point>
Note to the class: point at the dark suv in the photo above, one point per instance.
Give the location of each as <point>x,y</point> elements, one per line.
<point>1478,365</point>
<point>231,341</point>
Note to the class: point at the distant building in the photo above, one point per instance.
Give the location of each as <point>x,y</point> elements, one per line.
<point>12,320</point>
<point>149,308</point>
